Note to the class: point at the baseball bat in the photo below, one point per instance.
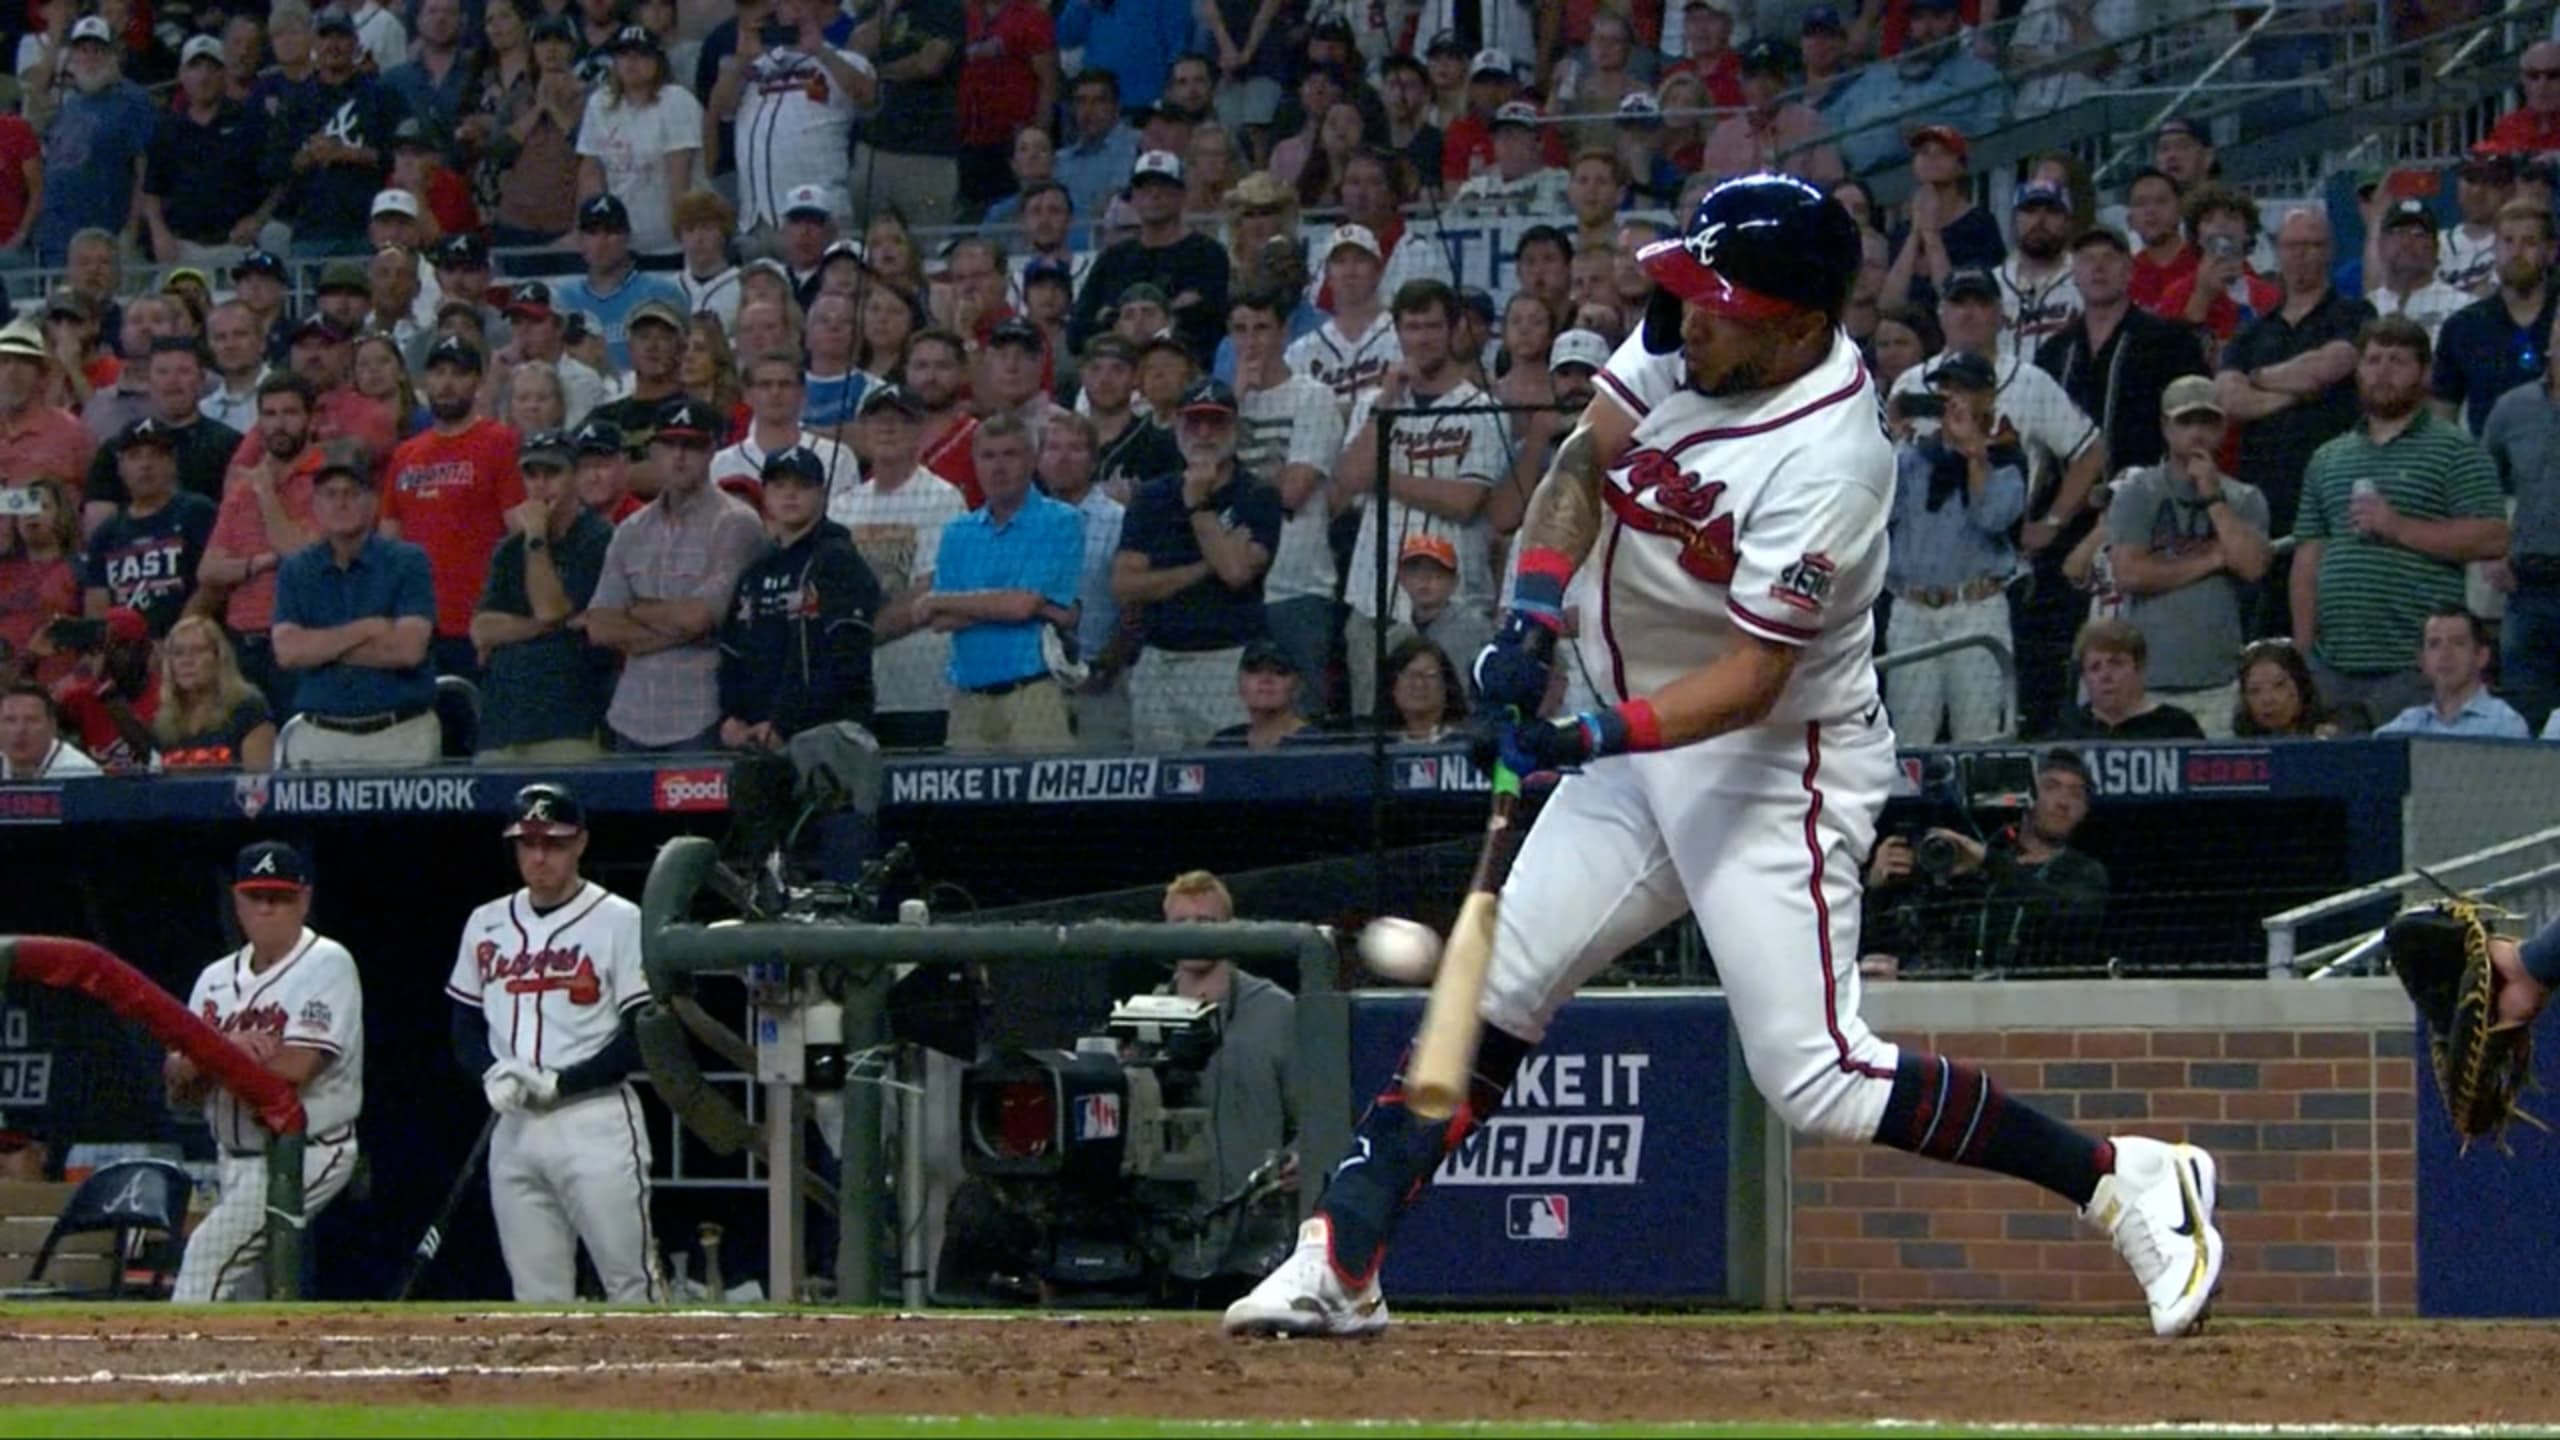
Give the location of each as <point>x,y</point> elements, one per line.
<point>433,1240</point>
<point>1444,1049</point>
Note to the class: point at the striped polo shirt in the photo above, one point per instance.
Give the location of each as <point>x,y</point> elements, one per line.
<point>2375,595</point>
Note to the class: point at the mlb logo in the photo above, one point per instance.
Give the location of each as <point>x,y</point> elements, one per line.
<point>1422,773</point>
<point>1097,1117</point>
<point>249,792</point>
<point>1910,780</point>
<point>1537,1217</point>
<point>1186,780</point>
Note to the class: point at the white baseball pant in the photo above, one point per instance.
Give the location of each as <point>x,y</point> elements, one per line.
<point>1963,690</point>
<point>576,1173</point>
<point>1759,835</point>
<point>226,1256</point>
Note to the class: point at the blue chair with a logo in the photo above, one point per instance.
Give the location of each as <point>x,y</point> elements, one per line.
<point>143,1203</point>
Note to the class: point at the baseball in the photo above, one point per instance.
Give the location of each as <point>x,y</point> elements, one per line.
<point>1404,951</point>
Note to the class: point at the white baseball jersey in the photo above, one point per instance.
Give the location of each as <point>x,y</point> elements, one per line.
<point>1295,423</point>
<point>1761,514</point>
<point>745,460</point>
<point>2033,311</point>
<point>1466,448</point>
<point>554,984</point>
<point>1345,364</point>
<point>312,998</point>
<point>792,126</point>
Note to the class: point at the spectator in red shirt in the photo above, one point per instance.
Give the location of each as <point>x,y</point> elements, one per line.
<point>2223,293</point>
<point>1008,83</point>
<point>2535,127</point>
<point>110,700</point>
<point>1707,31</point>
<point>417,166</point>
<point>933,371</point>
<point>21,182</point>
<point>449,491</point>
<point>37,438</point>
<point>2165,256</point>
<point>39,578</point>
<point>324,355</point>
<point>265,516</point>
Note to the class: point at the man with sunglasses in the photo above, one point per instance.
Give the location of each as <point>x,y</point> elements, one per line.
<point>2533,127</point>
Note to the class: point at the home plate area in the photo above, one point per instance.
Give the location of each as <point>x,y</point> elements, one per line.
<point>1970,1371</point>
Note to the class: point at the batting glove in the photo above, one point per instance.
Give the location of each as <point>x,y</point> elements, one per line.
<point>1512,671</point>
<point>541,1087</point>
<point>1528,747</point>
<point>503,1091</point>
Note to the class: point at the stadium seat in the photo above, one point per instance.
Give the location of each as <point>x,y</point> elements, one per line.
<point>458,711</point>
<point>127,1198</point>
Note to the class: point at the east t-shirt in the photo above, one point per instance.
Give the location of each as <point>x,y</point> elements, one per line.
<point>450,495</point>
<point>150,562</point>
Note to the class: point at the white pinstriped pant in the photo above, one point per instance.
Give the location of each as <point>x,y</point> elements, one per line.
<point>576,1173</point>
<point>226,1256</point>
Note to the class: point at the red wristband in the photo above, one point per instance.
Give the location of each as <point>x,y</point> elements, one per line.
<point>1546,561</point>
<point>1644,728</point>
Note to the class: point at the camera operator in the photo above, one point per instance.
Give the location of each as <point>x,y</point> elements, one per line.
<point>2023,900</point>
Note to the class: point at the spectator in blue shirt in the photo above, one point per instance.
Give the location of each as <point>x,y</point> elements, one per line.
<point>2453,655</point>
<point>1094,163</point>
<point>1956,495</point>
<point>1136,40</point>
<point>354,615</point>
<point>1936,80</point>
<point>94,147</point>
<point>1004,586</point>
<point>613,286</point>
<point>439,77</point>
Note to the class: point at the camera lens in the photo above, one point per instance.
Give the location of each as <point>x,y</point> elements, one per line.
<point>1936,856</point>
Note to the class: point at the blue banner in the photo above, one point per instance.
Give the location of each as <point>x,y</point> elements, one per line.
<point>2483,1246</point>
<point>1604,1173</point>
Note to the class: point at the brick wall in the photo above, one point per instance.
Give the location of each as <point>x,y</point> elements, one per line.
<point>2311,1129</point>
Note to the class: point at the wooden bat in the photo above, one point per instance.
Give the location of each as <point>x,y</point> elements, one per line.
<point>433,1240</point>
<point>1444,1049</point>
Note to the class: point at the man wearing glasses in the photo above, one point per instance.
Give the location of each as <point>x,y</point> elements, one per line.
<point>2535,127</point>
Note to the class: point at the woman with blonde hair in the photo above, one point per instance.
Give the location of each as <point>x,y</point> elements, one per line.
<point>709,370</point>
<point>209,716</point>
<point>536,400</point>
<point>889,248</point>
<point>639,141</point>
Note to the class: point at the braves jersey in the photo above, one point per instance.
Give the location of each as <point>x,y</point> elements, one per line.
<point>792,129</point>
<point>554,984</point>
<point>311,998</point>
<point>1467,448</point>
<point>1345,364</point>
<point>1762,514</point>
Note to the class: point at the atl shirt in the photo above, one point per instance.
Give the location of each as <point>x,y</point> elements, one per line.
<point>149,562</point>
<point>553,983</point>
<point>311,998</point>
<point>450,495</point>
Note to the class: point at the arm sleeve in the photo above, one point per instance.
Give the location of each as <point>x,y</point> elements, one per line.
<point>289,599</point>
<point>470,1041</point>
<point>2003,500</point>
<point>415,599</point>
<point>1790,550</point>
<point>604,1069</point>
<point>2471,488</point>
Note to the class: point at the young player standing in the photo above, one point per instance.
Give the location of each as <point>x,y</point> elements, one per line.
<point>542,986</point>
<point>291,999</point>
<point>1736,550</point>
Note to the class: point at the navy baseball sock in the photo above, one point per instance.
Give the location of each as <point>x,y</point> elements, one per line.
<point>1395,1151</point>
<point>1949,1111</point>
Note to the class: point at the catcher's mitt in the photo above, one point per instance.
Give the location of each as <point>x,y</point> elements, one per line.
<point>2441,954</point>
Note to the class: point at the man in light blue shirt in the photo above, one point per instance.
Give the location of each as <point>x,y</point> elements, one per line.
<point>2453,655</point>
<point>613,286</point>
<point>1004,575</point>
<point>1097,162</point>
<point>1955,495</point>
<point>1936,80</point>
<point>1070,452</point>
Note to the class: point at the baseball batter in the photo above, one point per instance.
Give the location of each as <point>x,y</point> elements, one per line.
<point>542,987</point>
<point>291,999</point>
<point>1725,566</point>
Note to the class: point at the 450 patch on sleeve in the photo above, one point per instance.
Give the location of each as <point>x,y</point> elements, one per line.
<point>1806,584</point>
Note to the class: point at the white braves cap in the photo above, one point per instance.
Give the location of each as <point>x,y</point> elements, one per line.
<point>1639,105</point>
<point>1493,61</point>
<point>1586,348</point>
<point>1515,112</point>
<point>807,200</point>
<point>396,202</point>
<point>92,27</point>
<point>202,47</point>
<point>1356,237</point>
<point>1163,164</point>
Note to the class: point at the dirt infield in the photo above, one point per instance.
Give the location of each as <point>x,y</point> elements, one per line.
<point>1952,1369</point>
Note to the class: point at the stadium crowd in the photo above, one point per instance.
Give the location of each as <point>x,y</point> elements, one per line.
<point>1009,378</point>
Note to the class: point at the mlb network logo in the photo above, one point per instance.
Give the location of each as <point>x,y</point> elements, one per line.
<point>1537,1217</point>
<point>1421,773</point>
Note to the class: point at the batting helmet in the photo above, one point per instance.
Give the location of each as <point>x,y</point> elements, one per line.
<point>1759,247</point>
<point>546,809</point>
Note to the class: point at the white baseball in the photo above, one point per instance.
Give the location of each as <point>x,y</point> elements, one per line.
<point>1403,951</point>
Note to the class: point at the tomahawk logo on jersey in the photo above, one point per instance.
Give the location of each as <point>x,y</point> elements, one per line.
<point>554,985</point>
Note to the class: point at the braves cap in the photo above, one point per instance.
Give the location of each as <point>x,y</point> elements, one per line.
<point>548,449</point>
<point>2042,193</point>
<point>271,867</point>
<point>893,397</point>
<point>1515,113</point>
<point>460,252</point>
<point>1964,371</point>
<point>800,465</point>
<point>688,419</point>
<point>529,298</point>
<point>1970,285</point>
<point>598,437</point>
<point>604,212</point>
<point>1019,334</point>
<point>416,134</point>
<point>149,430</point>
<point>2410,213</point>
<point>260,262</point>
<point>1208,395</point>
<point>1493,61</point>
<point>1353,237</point>
<point>1824,18</point>
<point>547,810</point>
<point>333,21</point>
<point>1161,167</point>
<point>1586,348</point>
<point>455,351</point>
<point>807,200</point>
<point>1769,57</point>
<point>316,327</point>
<point>2182,125</point>
<point>92,29</point>
<point>1639,107</point>
<point>632,38</point>
<point>200,47</point>
<point>1946,135</point>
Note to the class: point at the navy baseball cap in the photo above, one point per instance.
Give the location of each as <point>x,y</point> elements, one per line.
<point>261,262</point>
<point>316,327</point>
<point>454,350</point>
<point>461,252</point>
<point>545,809</point>
<point>270,867</point>
<point>891,397</point>
<point>2040,192</point>
<point>149,430</point>
<point>333,21</point>
<point>549,449</point>
<point>799,464</point>
<point>632,39</point>
<point>604,212</point>
<point>1970,285</point>
<point>1964,371</point>
<point>1021,334</point>
<point>1822,17</point>
<point>598,437</point>
<point>1267,654</point>
<point>1208,395</point>
<point>688,420</point>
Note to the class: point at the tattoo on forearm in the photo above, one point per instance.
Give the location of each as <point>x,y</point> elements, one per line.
<point>1564,512</point>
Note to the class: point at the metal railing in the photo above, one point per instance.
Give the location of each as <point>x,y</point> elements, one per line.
<point>1893,660</point>
<point>2490,873</point>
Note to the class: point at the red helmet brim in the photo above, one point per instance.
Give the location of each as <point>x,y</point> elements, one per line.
<point>1672,265</point>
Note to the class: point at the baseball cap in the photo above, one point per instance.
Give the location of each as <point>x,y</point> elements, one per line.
<point>270,866</point>
<point>898,398</point>
<point>416,134</point>
<point>2182,125</point>
<point>529,298</point>
<point>1822,17</point>
<point>260,262</point>
<point>1267,654</point>
<point>316,327</point>
<point>395,202</point>
<point>1946,135</point>
<point>841,250</point>
<point>2101,235</point>
<point>1208,395</point>
<point>552,448</point>
<point>1018,334</point>
<point>333,21</point>
<point>201,47</point>
<point>2189,395</point>
<point>654,311</point>
<point>1586,348</point>
<point>555,27</point>
<point>1424,545</point>
<point>1331,26</point>
<point>1970,285</point>
<point>126,626</point>
<point>456,351</point>
<point>1445,43</point>
<point>1493,60</point>
<point>1048,270</point>
<point>344,457</point>
<point>92,29</point>
<point>2040,192</point>
<point>2488,167</point>
<point>688,419</point>
<point>149,430</point>
<point>1356,237</point>
<point>630,38</point>
<point>1159,166</point>
<point>808,200</point>
<point>1515,112</point>
<point>2410,212</point>
<point>344,277</point>
<point>1769,57</point>
<point>1964,371</point>
<point>1145,292</point>
<point>799,465</point>
<point>597,437</point>
<point>1110,346</point>
<point>579,326</point>
<point>461,252</point>
<point>604,212</point>
<point>1639,107</point>
<point>545,809</point>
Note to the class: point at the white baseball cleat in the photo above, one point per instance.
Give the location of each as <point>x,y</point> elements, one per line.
<point>2158,1208</point>
<point>1305,1297</point>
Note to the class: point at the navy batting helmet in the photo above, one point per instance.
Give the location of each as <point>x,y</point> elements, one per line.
<point>546,810</point>
<point>1759,247</point>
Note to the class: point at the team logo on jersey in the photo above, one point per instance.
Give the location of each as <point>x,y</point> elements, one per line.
<point>566,969</point>
<point>267,1018</point>
<point>1650,492</point>
<point>315,1015</point>
<point>1806,583</point>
